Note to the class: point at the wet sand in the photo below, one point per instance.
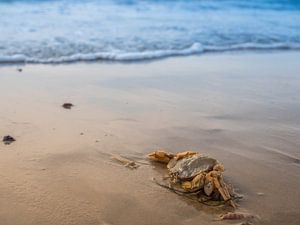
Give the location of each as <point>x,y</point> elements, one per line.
<point>242,109</point>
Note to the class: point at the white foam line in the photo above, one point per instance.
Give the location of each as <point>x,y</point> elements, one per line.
<point>196,48</point>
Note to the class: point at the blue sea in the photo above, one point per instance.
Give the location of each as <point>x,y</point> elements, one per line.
<point>55,31</point>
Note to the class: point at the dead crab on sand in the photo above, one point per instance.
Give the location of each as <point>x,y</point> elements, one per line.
<point>193,172</point>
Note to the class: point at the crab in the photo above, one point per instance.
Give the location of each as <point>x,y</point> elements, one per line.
<point>194,172</point>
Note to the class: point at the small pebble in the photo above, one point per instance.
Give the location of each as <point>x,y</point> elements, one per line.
<point>67,105</point>
<point>8,140</point>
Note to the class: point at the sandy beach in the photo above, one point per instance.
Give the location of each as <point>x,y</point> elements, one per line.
<point>241,108</point>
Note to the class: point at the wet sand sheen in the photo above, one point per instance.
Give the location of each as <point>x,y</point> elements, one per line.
<point>240,108</point>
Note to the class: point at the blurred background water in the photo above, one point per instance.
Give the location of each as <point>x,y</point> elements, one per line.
<point>45,31</point>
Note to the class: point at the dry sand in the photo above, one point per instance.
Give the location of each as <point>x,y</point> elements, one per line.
<point>242,109</point>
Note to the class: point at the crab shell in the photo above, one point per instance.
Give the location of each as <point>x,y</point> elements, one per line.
<point>188,168</point>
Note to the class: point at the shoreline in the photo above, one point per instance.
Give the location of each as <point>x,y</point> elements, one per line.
<point>154,59</point>
<point>241,109</point>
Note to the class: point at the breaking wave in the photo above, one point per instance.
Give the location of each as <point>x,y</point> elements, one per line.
<point>146,55</point>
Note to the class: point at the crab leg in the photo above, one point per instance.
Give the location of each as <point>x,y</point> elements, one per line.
<point>216,178</point>
<point>224,186</point>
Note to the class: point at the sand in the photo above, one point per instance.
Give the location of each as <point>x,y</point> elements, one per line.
<point>242,109</point>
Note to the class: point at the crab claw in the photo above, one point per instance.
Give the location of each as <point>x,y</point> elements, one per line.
<point>196,183</point>
<point>160,156</point>
<point>185,154</point>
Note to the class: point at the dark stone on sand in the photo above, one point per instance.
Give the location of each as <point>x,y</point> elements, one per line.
<point>8,139</point>
<point>19,69</point>
<point>67,105</point>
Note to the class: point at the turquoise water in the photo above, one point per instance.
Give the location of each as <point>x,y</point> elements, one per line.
<point>71,30</point>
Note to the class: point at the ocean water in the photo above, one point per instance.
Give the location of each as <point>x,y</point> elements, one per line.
<point>55,31</point>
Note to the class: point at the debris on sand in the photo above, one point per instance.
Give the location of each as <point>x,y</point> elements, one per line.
<point>126,162</point>
<point>192,173</point>
<point>245,218</point>
<point>236,216</point>
<point>19,69</point>
<point>67,105</point>
<point>8,140</point>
